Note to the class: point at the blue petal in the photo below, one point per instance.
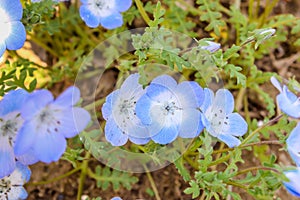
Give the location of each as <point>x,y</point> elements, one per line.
<point>107,107</point>
<point>17,192</point>
<point>230,140</point>
<point>84,1</point>
<point>68,98</point>
<point>49,147</point>
<point>165,81</point>
<point>276,83</point>
<point>159,93</point>
<point>24,171</point>
<point>139,141</point>
<point>25,138</point>
<point>142,110</point>
<point>131,86</point>
<point>17,37</point>
<point>189,127</point>
<point>2,48</point>
<point>7,159</point>
<point>293,144</point>
<point>237,125</point>
<point>13,8</point>
<point>212,46</point>
<point>116,198</point>
<point>112,21</point>
<point>208,99</point>
<point>190,94</point>
<point>224,100</point>
<point>35,102</point>
<point>72,121</point>
<point>113,134</point>
<point>123,5</point>
<point>29,158</point>
<point>289,103</point>
<point>166,135</point>
<point>293,186</point>
<point>13,101</point>
<point>88,17</point>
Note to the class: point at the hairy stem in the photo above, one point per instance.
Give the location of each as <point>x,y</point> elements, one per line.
<point>142,11</point>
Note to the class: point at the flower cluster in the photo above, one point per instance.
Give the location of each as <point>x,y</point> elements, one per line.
<point>106,13</point>
<point>165,110</point>
<point>33,126</point>
<point>289,103</point>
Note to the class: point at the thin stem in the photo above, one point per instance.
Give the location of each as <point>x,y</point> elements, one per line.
<point>41,44</point>
<point>84,169</point>
<point>191,162</point>
<point>236,185</point>
<point>244,171</point>
<point>152,183</point>
<point>142,11</point>
<point>56,178</point>
<point>260,128</point>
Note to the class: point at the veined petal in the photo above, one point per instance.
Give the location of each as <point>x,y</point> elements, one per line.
<point>189,126</point>
<point>237,125</point>
<point>293,185</point>
<point>165,81</point>
<point>71,121</point>
<point>287,106</point>
<point>208,99</point>
<point>107,107</point>
<point>35,102</point>
<point>131,86</point>
<point>166,135</point>
<point>142,109</point>
<point>293,144</point>
<point>230,140</point>
<point>49,147</point>
<point>112,21</point>
<point>224,100</point>
<point>113,134</point>
<point>29,158</point>
<point>17,36</point>
<point>88,17</point>
<point>190,94</point>
<point>68,98</point>
<point>139,141</point>
<point>7,158</point>
<point>13,8</point>
<point>13,101</point>
<point>123,5</point>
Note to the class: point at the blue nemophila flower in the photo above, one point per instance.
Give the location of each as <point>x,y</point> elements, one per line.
<point>293,144</point>
<point>211,46</point>
<point>12,32</point>
<point>48,122</point>
<point>10,123</point>
<point>288,102</point>
<point>219,120</point>
<point>11,186</point>
<point>119,112</point>
<point>106,13</point>
<point>116,198</point>
<point>293,185</point>
<point>169,109</point>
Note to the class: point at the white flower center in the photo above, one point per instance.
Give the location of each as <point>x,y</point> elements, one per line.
<point>46,120</point>
<point>5,187</point>
<point>5,25</point>
<point>218,120</point>
<point>9,126</point>
<point>101,8</point>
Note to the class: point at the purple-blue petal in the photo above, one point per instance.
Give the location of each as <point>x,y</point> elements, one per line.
<point>68,98</point>
<point>113,134</point>
<point>88,17</point>
<point>230,140</point>
<point>131,86</point>
<point>142,110</point>
<point>165,81</point>
<point>208,99</point>
<point>107,107</point>
<point>17,37</point>
<point>12,101</point>
<point>288,103</point>
<point>224,100</point>
<point>166,135</point>
<point>24,170</point>
<point>13,8</point>
<point>112,21</point>
<point>190,94</point>
<point>7,159</point>
<point>293,146</point>
<point>189,127</point>
<point>2,48</point>
<point>29,158</point>
<point>123,5</point>
<point>237,125</point>
<point>139,141</point>
<point>293,185</point>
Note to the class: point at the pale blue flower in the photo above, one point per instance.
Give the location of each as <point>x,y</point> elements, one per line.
<point>293,185</point>
<point>48,122</point>
<point>106,13</point>
<point>170,110</point>
<point>38,1</point>
<point>10,123</point>
<point>116,198</point>
<point>211,46</point>
<point>11,186</point>
<point>119,112</point>
<point>219,120</point>
<point>293,144</point>
<point>288,102</point>
<point>12,31</point>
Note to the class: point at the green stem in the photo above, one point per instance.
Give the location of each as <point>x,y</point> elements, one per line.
<point>152,183</point>
<point>56,178</point>
<point>244,171</point>
<point>236,185</point>
<point>41,44</point>
<point>84,169</point>
<point>142,11</point>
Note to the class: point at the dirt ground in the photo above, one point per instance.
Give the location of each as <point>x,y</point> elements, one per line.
<point>169,183</point>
